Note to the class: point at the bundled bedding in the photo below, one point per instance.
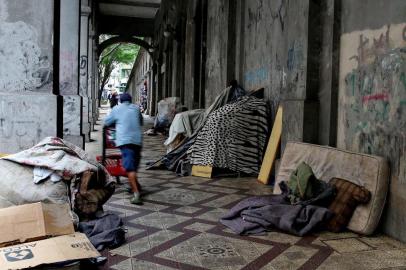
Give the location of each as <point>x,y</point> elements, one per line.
<point>55,171</point>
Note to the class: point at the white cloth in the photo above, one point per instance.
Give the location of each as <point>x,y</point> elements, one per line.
<point>41,173</point>
<point>56,155</point>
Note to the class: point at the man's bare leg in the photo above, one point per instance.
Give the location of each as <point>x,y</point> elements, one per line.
<point>132,178</point>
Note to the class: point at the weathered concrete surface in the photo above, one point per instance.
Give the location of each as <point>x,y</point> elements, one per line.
<point>90,75</point>
<point>83,67</point>
<point>372,97</point>
<point>216,57</point>
<point>262,54</point>
<point>25,119</point>
<point>329,68</point>
<point>28,109</point>
<point>190,56</point>
<point>72,116</point>
<point>26,32</point>
<point>69,71</point>
<point>273,51</point>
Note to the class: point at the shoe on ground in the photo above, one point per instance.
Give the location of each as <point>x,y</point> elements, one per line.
<point>136,201</point>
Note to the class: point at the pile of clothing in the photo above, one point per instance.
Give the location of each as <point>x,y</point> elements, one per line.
<point>229,135</point>
<point>306,205</point>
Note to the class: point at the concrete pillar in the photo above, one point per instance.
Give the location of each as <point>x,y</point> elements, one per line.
<point>28,95</point>
<point>95,89</point>
<point>83,64</point>
<point>153,89</point>
<point>90,76</point>
<point>69,72</point>
<point>300,105</point>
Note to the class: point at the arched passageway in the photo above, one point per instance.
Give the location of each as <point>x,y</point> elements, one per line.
<point>121,39</point>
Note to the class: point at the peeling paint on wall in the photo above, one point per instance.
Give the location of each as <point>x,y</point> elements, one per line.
<point>24,67</point>
<point>372,109</point>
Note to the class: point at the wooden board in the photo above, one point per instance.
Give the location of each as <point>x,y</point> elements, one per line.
<point>202,171</point>
<point>272,148</point>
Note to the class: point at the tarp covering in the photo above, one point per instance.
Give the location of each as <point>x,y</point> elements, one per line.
<point>233,137</point>
<point>190,122</point>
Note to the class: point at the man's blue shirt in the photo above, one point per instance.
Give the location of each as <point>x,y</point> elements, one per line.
<point>128,120</point>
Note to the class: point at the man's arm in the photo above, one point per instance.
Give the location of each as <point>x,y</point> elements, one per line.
<point>110,119</point>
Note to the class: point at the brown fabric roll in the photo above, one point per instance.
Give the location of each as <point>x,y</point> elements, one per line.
<point>348,197</point>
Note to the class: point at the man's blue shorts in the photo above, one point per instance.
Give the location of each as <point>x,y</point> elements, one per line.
<point>131,154</point>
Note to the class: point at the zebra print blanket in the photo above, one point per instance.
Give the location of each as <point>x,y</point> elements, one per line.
<point>233,137</point>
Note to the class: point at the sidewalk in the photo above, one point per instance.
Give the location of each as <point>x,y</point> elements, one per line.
<point>178,228</point>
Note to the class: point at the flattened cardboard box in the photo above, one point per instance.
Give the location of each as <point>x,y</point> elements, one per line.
<point>19,224</point>
<point>53,250</point>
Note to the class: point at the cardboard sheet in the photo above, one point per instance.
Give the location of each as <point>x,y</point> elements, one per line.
<point>202,171</point>
<point>19,224</point>
<point>53,250</point>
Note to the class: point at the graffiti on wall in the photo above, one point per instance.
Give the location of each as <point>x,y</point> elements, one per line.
<point>257,77</point>
<point>83,74</point>
<point>27,125</point>
<point>295,66</point>
<point>24,66</point>
<point>373,93</point>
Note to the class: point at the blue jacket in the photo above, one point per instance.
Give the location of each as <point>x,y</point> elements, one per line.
<point>128,120</point>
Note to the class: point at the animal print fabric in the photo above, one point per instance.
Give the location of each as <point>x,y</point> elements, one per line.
<point>233,137</point>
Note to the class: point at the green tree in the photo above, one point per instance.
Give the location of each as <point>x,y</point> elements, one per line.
<point>124,53</point>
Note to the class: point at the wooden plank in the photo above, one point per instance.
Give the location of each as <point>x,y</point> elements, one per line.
<point>272,148</point>
<point>202,171</point>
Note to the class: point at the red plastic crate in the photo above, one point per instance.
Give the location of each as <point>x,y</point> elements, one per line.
<point>113,165</point>
<point>112,162</point>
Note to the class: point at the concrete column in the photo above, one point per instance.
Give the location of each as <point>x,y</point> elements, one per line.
<point>95,89</point>
<point>28,99</point>
<point>153,89</point>
<point>69,72</point>
<point>90,76</point>
<point>83,64</point>
<point>299,99</point>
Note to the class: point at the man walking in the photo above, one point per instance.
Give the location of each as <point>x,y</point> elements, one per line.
<point>113,98</point>
<point>128,120</point>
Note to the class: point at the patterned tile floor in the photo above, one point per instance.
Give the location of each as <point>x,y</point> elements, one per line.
<point>178,228</point>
